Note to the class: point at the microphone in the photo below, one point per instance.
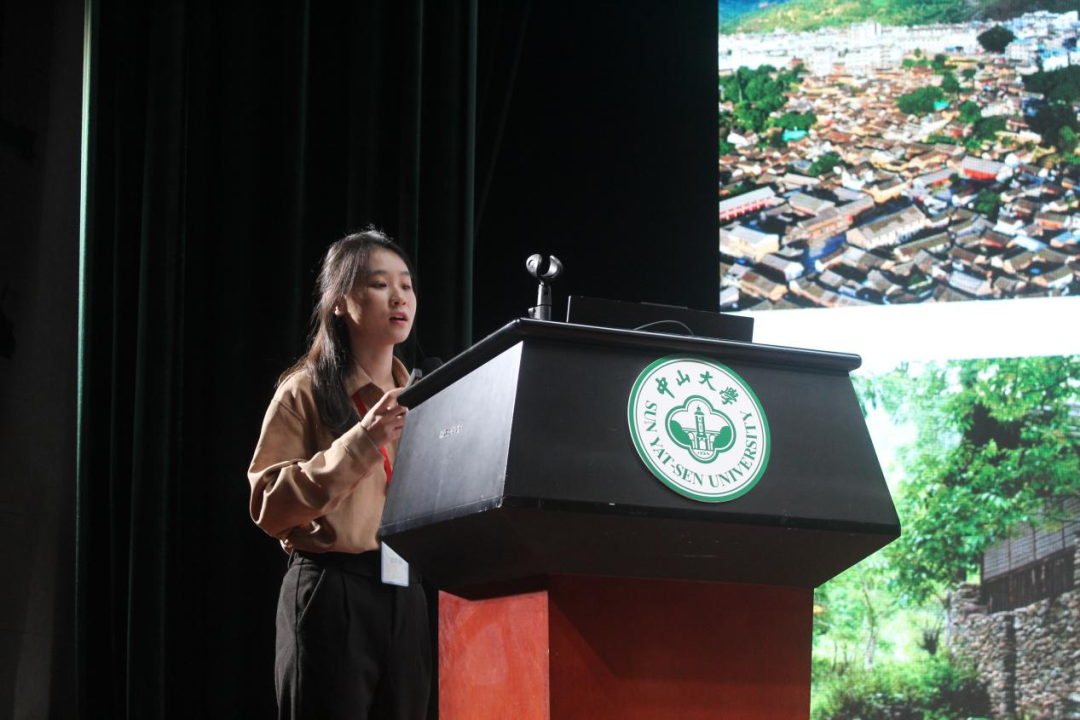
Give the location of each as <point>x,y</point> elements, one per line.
<point>545,273</point>
<point>427,366</point>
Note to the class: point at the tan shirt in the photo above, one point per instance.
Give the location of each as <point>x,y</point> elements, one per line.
<point>313,492</point>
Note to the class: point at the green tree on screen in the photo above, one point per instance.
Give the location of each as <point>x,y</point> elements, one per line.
<point>1051,119</point>
<point>824,164</point>
<point>1061,85</point>
<point>750,118</point>
<point>988,204</point>
<point>756,93</point>
<point>1067,94</point>
<point>797,121</point>
<point>1067,140</point>
<point>973,144</point>
<point>970,112</point>
<point>949,83</point>
<point>997,444</point>
<point>921,101</point>
<point>988,127</point>
<point>996,39</point>
<point>849,613</point>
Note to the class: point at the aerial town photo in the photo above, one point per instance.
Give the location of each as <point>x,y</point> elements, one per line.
<point>884,164</point>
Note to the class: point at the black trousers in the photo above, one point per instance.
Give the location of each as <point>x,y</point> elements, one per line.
<point>349,646</point>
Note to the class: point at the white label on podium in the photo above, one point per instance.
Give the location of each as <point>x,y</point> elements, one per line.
<point>395,571</point>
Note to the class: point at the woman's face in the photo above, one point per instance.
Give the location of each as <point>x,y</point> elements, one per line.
<point>382,306</point>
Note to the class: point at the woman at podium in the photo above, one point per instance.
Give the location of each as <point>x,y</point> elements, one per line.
<point>352,634</point>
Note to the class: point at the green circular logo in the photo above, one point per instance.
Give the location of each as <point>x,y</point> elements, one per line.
<point>699,428</point>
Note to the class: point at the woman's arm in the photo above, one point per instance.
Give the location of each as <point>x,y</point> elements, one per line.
<point>292,482</point>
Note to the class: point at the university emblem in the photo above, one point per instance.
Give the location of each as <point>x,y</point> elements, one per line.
<point>699,428</point>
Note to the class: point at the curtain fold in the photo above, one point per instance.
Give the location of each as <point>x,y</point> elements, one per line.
<point>227,145</point>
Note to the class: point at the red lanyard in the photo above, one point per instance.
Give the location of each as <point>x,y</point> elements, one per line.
<point>362,409</point>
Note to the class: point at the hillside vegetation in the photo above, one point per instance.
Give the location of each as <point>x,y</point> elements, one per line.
<point>815,14</point>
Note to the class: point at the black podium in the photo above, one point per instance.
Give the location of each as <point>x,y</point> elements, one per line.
<point>518,481</point>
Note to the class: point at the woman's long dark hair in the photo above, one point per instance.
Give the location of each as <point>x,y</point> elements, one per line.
<point>328,359</point>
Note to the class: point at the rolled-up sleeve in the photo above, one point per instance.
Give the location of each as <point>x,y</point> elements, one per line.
<point>292,483</point>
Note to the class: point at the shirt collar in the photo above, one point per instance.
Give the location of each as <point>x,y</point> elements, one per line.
<point>360,382</point>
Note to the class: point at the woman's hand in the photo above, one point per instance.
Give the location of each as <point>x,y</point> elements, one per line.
<point>385,420</point>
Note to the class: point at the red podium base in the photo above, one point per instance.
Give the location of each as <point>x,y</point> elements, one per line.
<point>598,648</point>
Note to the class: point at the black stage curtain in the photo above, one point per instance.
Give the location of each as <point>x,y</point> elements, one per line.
<point>227,145</point>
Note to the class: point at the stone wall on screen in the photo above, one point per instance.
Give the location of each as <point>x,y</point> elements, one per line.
<point>1029,656</point>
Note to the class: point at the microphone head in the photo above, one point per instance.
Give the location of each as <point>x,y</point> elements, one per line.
<point>554,269</point>
<point>532,264</point>
<point>544,270</point>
